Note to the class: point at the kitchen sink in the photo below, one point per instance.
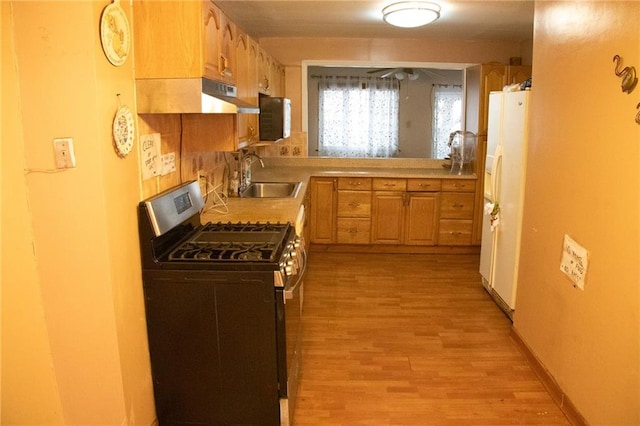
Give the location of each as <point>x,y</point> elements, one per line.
<point>271,190</point>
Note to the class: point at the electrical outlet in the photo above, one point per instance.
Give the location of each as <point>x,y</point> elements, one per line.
<point>63,151</point>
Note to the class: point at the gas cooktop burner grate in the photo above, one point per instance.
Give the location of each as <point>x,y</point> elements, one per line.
<point>233,242</point>
<point>244,227</point>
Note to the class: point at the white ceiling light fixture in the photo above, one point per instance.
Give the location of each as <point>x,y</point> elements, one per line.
<point>411,14</point>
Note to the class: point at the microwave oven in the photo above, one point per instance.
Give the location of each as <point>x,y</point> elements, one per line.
<point>275,118</point>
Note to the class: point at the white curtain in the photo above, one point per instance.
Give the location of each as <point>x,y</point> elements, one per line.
<point>447,116</point>
<point>358,117</point>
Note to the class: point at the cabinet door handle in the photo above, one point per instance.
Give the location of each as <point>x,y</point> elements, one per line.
<point>458,206</point>
<point>223,67</point>
<point>352,231</point>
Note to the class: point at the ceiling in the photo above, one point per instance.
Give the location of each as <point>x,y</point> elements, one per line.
<point>495,20</point>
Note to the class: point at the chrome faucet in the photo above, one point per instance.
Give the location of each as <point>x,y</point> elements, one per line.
<point>246,159</point>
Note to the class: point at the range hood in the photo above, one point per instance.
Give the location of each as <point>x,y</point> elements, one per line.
<point>189,96</point>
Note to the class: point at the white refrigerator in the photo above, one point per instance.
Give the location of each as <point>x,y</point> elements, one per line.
<point>504,180</point>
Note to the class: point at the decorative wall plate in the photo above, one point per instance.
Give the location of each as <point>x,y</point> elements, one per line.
<point>114,34</point>
<point>123,131</point>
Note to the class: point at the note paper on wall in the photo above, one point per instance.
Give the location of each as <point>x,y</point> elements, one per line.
<point>150,155</point>
<point>574,261</point>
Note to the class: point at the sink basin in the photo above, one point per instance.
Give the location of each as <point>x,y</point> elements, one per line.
<point>271,190</point>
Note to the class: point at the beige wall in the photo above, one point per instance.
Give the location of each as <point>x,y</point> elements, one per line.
<point>583,180</point>
<point>290,51</point>
<point>28,381</point>
<point>73,331</point>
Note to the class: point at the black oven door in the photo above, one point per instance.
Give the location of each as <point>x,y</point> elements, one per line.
<point>212,346</point>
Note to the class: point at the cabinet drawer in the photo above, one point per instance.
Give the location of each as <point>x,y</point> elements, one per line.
<point>354,204</point>
<point>459,185</point>
<point>355,183</point>
<point>423,184</point>
<point>455,205</point>
<point>455,232</point>
<point>354,231</point>
<point>384,184</point>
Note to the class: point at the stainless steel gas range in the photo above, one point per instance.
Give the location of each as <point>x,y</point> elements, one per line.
<point>223,309</point>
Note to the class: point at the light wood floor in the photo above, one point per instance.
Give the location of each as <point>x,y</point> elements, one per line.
<point>410,340</point>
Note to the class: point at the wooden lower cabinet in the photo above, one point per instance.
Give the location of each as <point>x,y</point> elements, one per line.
<point>392,211</point>
<point>405,218</point>
<point>354,215</point>
<point>354,210</point>
<point>387,223</point>
<point>323,210</point>
<point>421,218</point>
<point>408,214</point>
<point>456,212</point>
<point>352,230</point>
<point>455,232</point>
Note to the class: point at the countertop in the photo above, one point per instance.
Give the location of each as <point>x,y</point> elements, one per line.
<point>287,209</point>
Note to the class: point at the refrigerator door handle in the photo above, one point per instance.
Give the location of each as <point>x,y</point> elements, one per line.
<point>495,173</point>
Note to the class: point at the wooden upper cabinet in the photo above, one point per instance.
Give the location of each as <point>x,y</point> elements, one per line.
<point>212,33</point>
<point>227,63</point>
<point>252,65</point>
<point>247,123</point>
<point>264,72</point>
<point>242,75</point>
<point>168,39</point>
<point>493,79</point>
<point>518,73</point>
<point>183,39</point>
<point>277,78</point>
<point>220,48</point>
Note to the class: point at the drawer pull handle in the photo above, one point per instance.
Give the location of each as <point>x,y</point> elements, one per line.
<point>352,231</point>
<point>458,206</point>
<point>355,183</point>
<point>455,232</point>
<point>389,184</point>
<point>354,204</point>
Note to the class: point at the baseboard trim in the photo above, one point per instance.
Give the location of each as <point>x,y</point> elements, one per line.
<point>567,407</point>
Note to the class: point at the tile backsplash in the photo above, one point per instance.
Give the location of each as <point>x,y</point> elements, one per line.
<point>293,146</point>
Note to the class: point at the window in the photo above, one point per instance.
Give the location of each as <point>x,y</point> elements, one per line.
<point>358,117</point>
<point>447,116</point>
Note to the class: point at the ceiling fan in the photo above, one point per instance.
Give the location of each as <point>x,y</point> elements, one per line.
<point>401,73</point>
